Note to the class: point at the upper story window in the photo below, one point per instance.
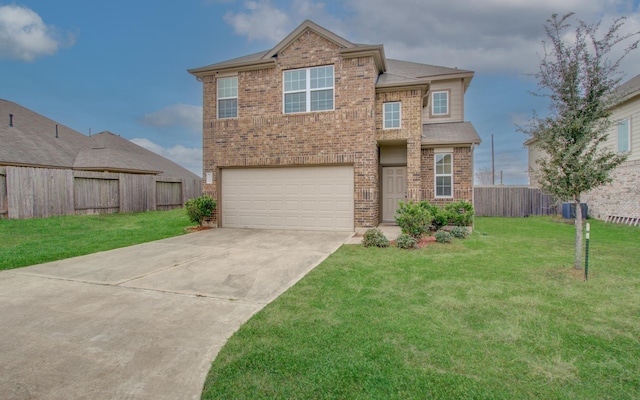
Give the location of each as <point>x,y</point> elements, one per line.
<point>228,97</point>
<point>444,175</point>
<point>440,103</point>
<point>391,115</point>
<point>624,136</point>
<point>308,89</point>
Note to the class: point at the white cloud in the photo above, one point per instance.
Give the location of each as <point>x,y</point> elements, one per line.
<point>24,35</point>
<point>484,36</point>
<point>262,20</point>
<point>189,158</point>
<point>178,115</point>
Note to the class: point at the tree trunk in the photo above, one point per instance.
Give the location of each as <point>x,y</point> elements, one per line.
<point>577,264</point>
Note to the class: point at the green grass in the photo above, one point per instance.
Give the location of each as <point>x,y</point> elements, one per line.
<point>33,241</point>
<point>500,315</point>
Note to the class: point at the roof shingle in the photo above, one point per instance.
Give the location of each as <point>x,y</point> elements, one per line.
<point>449,134</point>
<point>32,141</point>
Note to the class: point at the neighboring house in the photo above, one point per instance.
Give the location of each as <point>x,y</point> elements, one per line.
<point>322,133</point>
<point>32,140</point>
<point>620,199</point>
<point>29,140</point>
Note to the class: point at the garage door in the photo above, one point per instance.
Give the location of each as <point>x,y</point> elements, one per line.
<point>306,198</point>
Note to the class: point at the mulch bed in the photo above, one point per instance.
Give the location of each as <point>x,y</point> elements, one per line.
<point>422,243</point>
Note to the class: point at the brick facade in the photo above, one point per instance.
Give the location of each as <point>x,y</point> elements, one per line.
<point>619,198</point>
<point>462,176</point>
<point>262,135</point>
<point>410,131</point>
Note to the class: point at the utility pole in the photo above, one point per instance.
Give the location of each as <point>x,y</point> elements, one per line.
<point>493,166</point>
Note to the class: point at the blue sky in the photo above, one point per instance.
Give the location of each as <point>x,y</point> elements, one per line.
<point>120,66</point>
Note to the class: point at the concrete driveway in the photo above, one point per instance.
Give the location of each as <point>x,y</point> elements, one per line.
<point>143,322</point>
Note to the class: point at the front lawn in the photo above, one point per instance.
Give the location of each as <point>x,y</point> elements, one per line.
<point>33,241</point>
<point>500,315</point>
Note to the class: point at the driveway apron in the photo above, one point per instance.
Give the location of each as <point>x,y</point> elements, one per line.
<point>143,322</point>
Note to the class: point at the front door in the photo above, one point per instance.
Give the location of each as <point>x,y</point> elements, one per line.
<point>394,190</point>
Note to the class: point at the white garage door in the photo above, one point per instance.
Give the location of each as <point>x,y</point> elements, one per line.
<point>306,198</point>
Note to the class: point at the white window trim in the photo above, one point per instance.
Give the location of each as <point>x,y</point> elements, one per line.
<point>628,136</point>
<point>384,115</point>
<point>436,175</point>
<point>433,104</point>
<point>308,90</point>
<point>226,98</point>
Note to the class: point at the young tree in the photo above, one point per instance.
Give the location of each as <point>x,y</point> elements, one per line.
<point>579,80</point>
<point>484,176</point>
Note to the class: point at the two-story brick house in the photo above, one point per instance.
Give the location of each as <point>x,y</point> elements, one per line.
<point>321,133</point>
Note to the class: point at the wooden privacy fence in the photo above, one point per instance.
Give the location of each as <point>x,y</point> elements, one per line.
<point>42,192</point>
<point>3,193</point>
<point>512,201</point>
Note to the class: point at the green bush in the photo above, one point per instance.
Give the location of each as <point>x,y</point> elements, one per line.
<point>440,217</point>
<point>459,232</point>
<point>200,208</point>
<point>375,238</point>
<point>443,237</point>
<point>405,241</point>
<point>460,213</point>
<point>414,219</point>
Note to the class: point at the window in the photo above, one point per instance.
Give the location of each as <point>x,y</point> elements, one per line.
<point>444,175</point>
<point>228,97</point>
<point>440,103</point>
<point>309,89</point>
<point>391,115</point>
<point>624,136</point>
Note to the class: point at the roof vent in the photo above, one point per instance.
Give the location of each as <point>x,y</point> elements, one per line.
<point>56,131</point>
<point>11,120</point>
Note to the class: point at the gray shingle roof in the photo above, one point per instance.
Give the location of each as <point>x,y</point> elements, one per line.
<point>449,134</point>
<point>630,88</point>
<point>402,72</point>
<point>248,59</point>
<point>31,141</point>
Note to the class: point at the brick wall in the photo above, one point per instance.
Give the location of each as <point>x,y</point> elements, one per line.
<point>410,130</point>
<point>263,136</point>
<point>618,198</point>
<point>462,176</point>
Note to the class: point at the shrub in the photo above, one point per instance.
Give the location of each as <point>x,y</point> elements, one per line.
<point>459,232</point>
<point>460,213</point>
<point>413,218</point>
<point>375,238</point>
<point>443,237</point>
<point>440,218</point>
<point>199,208</point>
<point>405,241</point>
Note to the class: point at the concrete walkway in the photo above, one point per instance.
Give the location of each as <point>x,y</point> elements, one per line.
<point>143,322</point>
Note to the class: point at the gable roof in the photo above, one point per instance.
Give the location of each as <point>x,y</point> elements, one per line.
<point>267,58</point>
<point>302,28</point>
<point>32,142</point>
<point>392,73</point>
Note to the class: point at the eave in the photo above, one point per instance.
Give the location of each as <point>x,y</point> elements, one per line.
<point>376,51</point>
<point>241,66</point>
